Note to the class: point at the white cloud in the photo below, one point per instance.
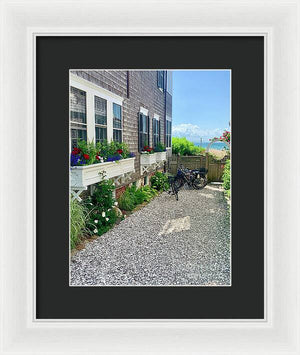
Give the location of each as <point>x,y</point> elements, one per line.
<point>194,133</point>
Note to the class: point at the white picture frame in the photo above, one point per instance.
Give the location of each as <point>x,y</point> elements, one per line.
<point>278,22</point>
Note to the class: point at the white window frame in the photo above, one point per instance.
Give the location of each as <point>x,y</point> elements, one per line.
<point>168,118</point>
<point>75,122</point>
<point>93,90</point>
<point>156,117</point>
<point>144,111</point>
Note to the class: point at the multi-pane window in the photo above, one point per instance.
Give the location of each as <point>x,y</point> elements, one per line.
<point>100,119</point>
<point>143,131</point>
<point>77,115</point>
<point>169,134</point>
<point>117,123</point>
<point>155,131</point>
<point>160,79</point>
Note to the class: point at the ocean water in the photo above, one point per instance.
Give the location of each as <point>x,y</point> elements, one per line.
<point>216,145</point>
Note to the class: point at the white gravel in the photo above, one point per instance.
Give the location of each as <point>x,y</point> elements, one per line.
<point>168,242</point>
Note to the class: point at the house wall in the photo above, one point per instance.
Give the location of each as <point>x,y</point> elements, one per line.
<point>139,89</point>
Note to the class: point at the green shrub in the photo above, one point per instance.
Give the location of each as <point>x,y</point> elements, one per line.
<point>140,196</point>
<point>102,215</point>
<point>159,181</point>
<point>183,146</point>
<point>133,197</point>
<point>127,200</point>
<point>226,175</point>
<point>148,192</point>
<point>78,222</point>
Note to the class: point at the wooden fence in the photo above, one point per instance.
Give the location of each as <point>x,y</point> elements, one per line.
<point>215,167</point>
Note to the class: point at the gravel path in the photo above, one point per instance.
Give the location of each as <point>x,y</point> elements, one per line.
<point>168,242</point>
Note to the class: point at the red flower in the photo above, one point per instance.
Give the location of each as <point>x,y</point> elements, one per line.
<point>76,151</point>
<point>120,151</point>
<point>97,157</point>
<point>86,156</point>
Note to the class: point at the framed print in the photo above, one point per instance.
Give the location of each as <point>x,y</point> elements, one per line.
<point>187,242</point>
<point>59,85</point>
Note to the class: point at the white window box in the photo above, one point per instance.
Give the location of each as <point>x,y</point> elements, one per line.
<point>148,159</point>
<point>161,156</point>
<point>83,176</point>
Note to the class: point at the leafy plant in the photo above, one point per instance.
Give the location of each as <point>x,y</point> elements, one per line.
<point>159,181</point>
<point>132,197</point>
<point>226,176</point>
<point>78,222</point>
<point>127,200</point>
<point>149,192</point>
<point>101,206</point>
<point>183,146</point>
<point>87,153</point>
<point>160,147</point>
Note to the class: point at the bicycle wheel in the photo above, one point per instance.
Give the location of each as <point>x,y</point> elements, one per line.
<point>178,183</point>
<point>199,183</point>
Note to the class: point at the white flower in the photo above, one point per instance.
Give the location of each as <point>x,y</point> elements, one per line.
<point>96,220</point>
<point>109,210</point>
<point>124,215</point>
<point>91,204</point>
<point>95,230</point>
<point>107,219</point>
<point>103,214</point>
<point>116,203</point>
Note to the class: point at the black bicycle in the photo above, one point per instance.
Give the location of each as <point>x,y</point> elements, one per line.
<point>196,178</point>
<point>173,186</point>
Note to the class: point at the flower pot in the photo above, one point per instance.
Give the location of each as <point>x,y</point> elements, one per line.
<point>148,159</point>
<point>83,176</point>
<point>161,156</point>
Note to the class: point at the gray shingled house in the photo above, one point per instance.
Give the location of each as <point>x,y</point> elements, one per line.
<point>134,107</point>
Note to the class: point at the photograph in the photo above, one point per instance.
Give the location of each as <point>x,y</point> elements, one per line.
<point>150,177</point>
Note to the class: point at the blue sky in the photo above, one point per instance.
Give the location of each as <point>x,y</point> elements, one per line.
<point>201,104</point>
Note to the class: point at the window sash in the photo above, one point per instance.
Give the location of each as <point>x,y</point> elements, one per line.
<point>169,134</point>
<point>117,135</point>
<point>78,133</point>
<point>117,116</point>
<point>100,111</point>
<point>100,134</point>
<point>156,132</point>
<point>160,79</point>
<point>143,131</point>
<point>77,105</point>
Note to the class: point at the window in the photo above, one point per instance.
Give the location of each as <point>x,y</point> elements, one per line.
<point>169,134</point>
<point>160,79</point>
<point>117,123</point>
<point>100,119</point>
<point>143,131</point>
<point>77,115</point>
<point>155,131</point>
<point>169,86</point>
